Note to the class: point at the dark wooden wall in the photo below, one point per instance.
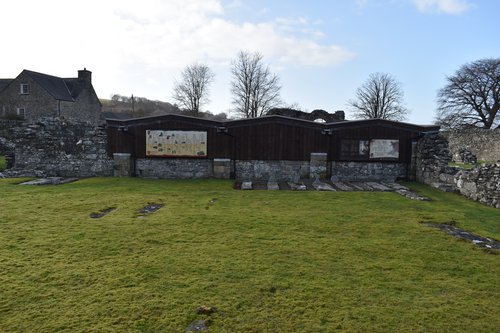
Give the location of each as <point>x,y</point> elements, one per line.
<point>267,138</point>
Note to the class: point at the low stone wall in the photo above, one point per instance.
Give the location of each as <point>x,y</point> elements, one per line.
<point>53,147</point>
<point>173,168</point>
<point>277,170</point>
<point>363,171</point>
<point>483,143</point>
<point>480,184</point>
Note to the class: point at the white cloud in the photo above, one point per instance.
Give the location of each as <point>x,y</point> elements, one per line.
<point>454,7</point>
<point>155,33</point>
<point>141,46</point>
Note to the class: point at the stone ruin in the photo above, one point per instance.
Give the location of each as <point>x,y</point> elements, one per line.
<point>312,116</point>
<point>482,183</point>
<point>466,156</point>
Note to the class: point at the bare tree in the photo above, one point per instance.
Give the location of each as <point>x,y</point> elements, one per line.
<point>255,89</point>
<point>471,96</point>
<point>192,91</point>
<point>381,97</point>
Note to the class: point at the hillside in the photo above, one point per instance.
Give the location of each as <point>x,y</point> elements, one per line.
<point>122,107</point>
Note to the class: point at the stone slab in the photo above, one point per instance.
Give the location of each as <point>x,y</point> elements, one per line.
<point>49,181</point>
<point>297,186</point>
<point>272,186</point>
<point>360,186</point>
<point>342,186</point>
<point>320,186</point>
<point>246,186</point>
<point>378,186</point>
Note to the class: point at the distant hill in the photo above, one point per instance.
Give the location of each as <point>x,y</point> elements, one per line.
<point>120,107</point>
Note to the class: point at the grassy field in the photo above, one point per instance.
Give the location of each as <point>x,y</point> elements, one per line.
<point>268,261</point>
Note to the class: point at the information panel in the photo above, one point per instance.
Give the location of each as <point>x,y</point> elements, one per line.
<point>384,148</point>
<point>176,143</point>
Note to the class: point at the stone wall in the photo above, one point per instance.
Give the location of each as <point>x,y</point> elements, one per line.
<point>173,168</point>
<point>480,184</point>
<point>485,144</point>
<point>54,147</point>
<point>433,157</point>
<point>314,115</point>
<point>277,170</point>
<point>361,171</point>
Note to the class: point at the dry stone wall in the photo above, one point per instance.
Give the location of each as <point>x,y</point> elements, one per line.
<point>483,143</point>
<point>480,184</point>
<point>433,157</point>
<point>54,147</point>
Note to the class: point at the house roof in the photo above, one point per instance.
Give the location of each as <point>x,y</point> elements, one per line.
<point>4,83</point>
<point>273,119</point>
<point>57,87</point>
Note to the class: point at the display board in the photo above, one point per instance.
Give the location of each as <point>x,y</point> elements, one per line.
<point>176,143</point>
<point>384,148</point>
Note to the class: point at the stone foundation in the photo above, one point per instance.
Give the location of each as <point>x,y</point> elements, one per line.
<point>173,168</point>
<point>275,170</point>
<point>365,171</point>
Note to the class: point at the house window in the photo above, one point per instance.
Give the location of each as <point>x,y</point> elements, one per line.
<point>21,112</point>
<point>24,89</point>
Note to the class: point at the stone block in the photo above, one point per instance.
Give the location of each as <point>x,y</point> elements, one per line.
<point>318,167</point>
<point>122,165</point>
<point>222,168</point>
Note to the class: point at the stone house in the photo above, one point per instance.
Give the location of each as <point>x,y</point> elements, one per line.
<point>33,95</point>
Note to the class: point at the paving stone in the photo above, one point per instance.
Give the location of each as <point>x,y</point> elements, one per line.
<point>297,187</point>
<point>320,186</point>
<point>378,186</point>
<point>395,186</point>
<point>361,186</point>
<point>412,195</point>
<point>49,181</point>
<point>483,242</point>
<point>342,186</point>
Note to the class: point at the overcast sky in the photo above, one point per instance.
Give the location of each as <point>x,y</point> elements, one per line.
<point>321,49</point>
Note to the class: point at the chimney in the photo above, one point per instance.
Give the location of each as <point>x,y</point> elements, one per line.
<point>85,76</point>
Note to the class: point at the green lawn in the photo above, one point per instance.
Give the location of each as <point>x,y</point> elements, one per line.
<point>269,261</point>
